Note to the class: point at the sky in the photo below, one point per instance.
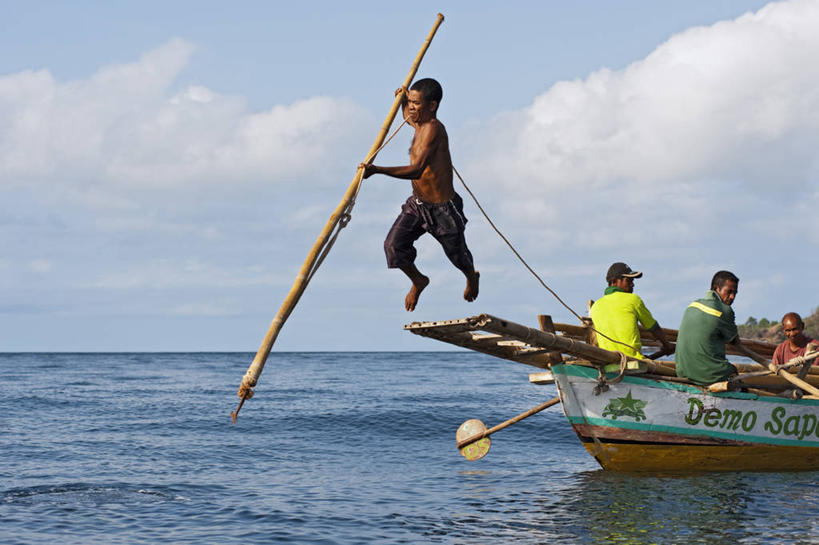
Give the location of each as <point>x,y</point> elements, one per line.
<point>165,167</point>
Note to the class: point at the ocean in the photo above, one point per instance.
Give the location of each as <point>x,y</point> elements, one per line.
<point>337,448</point>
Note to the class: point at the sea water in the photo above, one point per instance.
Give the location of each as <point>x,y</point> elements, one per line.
<point>337,448</point>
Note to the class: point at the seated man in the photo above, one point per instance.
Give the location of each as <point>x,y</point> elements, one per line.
<point>797,343</point>
<point>708,324</point>
<point>615,315</point>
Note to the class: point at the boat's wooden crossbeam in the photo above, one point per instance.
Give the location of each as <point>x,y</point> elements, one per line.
<point>501,346</point>
<point>510,341</point>
<point>581,333</point>
<point>507,340</point>
<point>486,337</point>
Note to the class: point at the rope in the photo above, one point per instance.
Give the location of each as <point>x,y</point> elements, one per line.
<point>537,276</point>
<point>603,383</point>
<point>511,247</point>
<point>346,215</point>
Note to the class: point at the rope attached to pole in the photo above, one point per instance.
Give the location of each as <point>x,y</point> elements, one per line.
<point>347,215</point>
<point>531,270</point>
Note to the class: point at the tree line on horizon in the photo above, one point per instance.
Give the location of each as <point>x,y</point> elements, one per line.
<point>771,331</point>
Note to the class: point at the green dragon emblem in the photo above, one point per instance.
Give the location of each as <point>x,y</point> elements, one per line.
<point>626,406</point>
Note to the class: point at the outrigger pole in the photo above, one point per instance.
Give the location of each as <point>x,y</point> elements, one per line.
<point>341,214</point>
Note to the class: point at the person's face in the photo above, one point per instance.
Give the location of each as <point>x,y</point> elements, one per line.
<point>792,328</point>
<point>624,283</point>
<point>418,109</point>
<point>728,292</point>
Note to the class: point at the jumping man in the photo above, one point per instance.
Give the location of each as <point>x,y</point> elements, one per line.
<point>434,207</point>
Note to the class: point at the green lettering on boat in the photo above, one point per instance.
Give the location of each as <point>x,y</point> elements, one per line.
<point>712,417</point>
<point>749,421</point>
<point>792,425</point>
<point>731,419</point>
<point>805,429</point>
<point>691,418</point>
<point>775,424</point>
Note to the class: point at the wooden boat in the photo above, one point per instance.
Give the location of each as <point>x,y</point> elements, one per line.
<point>644,418</point>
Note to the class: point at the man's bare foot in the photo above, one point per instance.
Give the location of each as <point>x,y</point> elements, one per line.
<point>415,291</point>
<point>471,291</point>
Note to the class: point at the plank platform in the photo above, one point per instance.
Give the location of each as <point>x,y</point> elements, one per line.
<point>510,341</point>
<point>467,333</point>
<point>580,333</point>
<point>515,342</point>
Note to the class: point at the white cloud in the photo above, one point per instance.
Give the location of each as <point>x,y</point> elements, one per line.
<point>698,157</point>
<point>736,102</point>
<point>124,128</point>
<point>173,274</point>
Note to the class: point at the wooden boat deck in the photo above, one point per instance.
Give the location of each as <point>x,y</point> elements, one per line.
<point>485,333</point>
<point>540,347</point>
<point>471,333</point>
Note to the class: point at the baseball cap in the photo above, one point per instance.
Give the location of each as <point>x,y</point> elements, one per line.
<point>621,269</point>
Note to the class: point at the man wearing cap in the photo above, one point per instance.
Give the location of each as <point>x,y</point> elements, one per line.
<point>708,324</point>
<point>615,315</point>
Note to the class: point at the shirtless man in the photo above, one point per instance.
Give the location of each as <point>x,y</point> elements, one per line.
<point>434,207</point>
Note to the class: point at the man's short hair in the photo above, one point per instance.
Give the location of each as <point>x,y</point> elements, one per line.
<point>721,277</point>
<point>796,317</point>
<point>429,89</point>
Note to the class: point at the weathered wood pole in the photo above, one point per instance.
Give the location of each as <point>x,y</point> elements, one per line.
<point>545,339</point>
<point>252,375</point>
<point>514,420</point>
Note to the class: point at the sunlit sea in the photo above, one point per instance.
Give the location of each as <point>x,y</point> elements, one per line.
<point>337,448</point>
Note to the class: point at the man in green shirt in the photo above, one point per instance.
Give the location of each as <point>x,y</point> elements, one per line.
<point>708,324</point>
<point>615,315</point>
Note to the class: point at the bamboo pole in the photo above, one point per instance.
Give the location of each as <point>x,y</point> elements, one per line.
<point>796,381</point>
<point>776,369</point>
<point>251,377</point>
<point>762,360</point>
<point>492,324</point>
<point>771,369</point>
<point>647,339</point>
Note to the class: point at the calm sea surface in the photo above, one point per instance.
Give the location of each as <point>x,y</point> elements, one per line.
<point>337,448</point>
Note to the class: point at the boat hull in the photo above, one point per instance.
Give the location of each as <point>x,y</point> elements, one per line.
<point>642,424</point>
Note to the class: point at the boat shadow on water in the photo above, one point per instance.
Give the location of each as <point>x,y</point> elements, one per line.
<point>692,508</point>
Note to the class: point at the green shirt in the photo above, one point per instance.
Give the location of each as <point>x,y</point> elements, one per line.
<point>616,315</point>
<point>706,326</point>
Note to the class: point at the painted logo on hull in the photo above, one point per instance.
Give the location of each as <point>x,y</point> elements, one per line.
<point>626,407</point>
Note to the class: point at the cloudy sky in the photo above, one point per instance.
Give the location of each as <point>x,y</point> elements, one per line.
<point>166,167</point>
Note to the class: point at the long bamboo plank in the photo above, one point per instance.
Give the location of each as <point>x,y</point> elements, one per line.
<point>515,342</point>
<point>534,338</point>
<point>580,332</point>
<point>251,377</point>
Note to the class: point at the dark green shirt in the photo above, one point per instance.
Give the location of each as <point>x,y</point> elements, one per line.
<point>706,326</point>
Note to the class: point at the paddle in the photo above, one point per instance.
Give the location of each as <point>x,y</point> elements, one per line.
<point>473,437</point>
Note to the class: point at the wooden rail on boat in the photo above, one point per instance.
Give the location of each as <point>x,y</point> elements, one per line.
<point>515,342</point>
<point>582,333</point>
<point>508,340</point>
